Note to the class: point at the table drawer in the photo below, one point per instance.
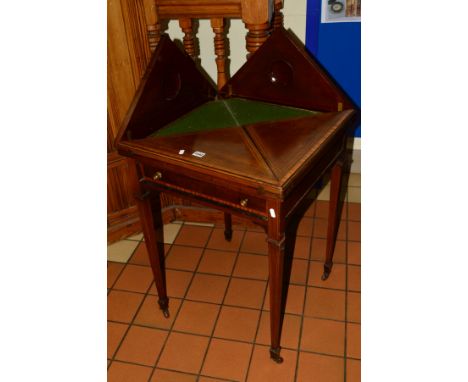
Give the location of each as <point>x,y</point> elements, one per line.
<point>232,196</point>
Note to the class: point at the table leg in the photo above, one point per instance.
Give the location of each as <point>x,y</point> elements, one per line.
<point>276,261</point>
<point>334,213</point>
<point>227,226</point>
<point>149,207</point>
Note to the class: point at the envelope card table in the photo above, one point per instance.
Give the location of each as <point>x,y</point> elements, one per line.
<point>255,148</point>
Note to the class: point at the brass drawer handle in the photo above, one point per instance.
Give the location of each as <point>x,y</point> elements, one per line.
<point>157,175</point>
<point>244,202</point>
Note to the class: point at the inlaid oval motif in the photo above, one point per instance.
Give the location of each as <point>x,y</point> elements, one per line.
<point>172,84</point>
<point>281,73</point>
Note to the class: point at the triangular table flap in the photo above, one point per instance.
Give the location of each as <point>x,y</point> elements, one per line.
<point>287,145</point>
<point>172,86</point>
<point>282,72</point>
<point>227,150</point>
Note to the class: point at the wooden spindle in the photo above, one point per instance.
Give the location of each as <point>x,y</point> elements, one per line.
<point>256,36</point>
<point>154,35</point>
<point>220,49</point>
<point>153,28</point>
<point>278,18</point>
<point>189,39</point>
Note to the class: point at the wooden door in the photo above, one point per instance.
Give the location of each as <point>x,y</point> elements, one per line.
<point>127,56</point>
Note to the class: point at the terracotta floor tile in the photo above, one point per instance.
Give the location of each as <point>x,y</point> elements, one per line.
<point>194,236</point>
<point>237,324</point>
<point>354,194</point>
<point>183,352</point>
<point>302,247</point>
<point>342,231</point>
<point>323,336</point>
<point>124,372</point>
<point>115,333</point>
<point>217,240</point>
<point>354,307</point>
<point>183,258</point>
<point>353,340</point>
<point>310,213</point>
<point>135,278</point>
<point>294,302</point>
<point>321,211</point>
<point>196,318</point>
<point>325,303</point>
<point>354,180</point>
<point>113,271</point>
<point>319,247</point>
<point>255,242</point>
<point>140,256</point>
<point>172,376</point>
<point>150,314</point>
<point>245,293</point>
<point>122,306</point>
<point>251,266</point>
<point>320,228</point>
<point>320,368</point>
<point>209,379</point>
<point>141,345</point>
<point>121,251</point>
<point>354,211</point>
<point>227,359</point>
<point>354,252</point>
<point>305,227</point>
<point>354,278</point>
<point>353,370</point>
<point>177,283</point>
<point>208,288</point>
<point>263,369</point>
<point>336,280</point>
<point>217,262</point>
<point>289,335</point>
<point>299,271</point>
<point>354,231</point>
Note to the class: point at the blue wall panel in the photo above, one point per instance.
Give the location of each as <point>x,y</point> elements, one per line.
<point>338,48</point>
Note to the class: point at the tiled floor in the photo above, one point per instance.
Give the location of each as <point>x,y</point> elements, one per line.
<point>218,328</point>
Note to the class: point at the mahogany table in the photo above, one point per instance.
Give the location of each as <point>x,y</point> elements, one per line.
<point>255,148</point>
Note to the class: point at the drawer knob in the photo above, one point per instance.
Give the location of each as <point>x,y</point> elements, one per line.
<point>244,202</point>
<point>157,175</point>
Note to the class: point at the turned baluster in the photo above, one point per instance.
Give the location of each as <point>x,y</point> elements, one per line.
<point>189,39</point>
<point>220,49</point>
<point>278,18</point>
<point>256,36</point>
<point>153,28</point>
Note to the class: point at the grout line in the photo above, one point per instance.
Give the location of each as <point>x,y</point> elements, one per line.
<point>301,322</point>
<point>138,308</point>
<point>180,307</point>
<point>221,307</point>
<point>265,293</point>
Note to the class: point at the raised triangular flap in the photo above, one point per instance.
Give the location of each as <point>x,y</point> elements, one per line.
<point>172,86</point>
<point>282,72</point>
<point>300,140</point>
<point>227,150</point>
